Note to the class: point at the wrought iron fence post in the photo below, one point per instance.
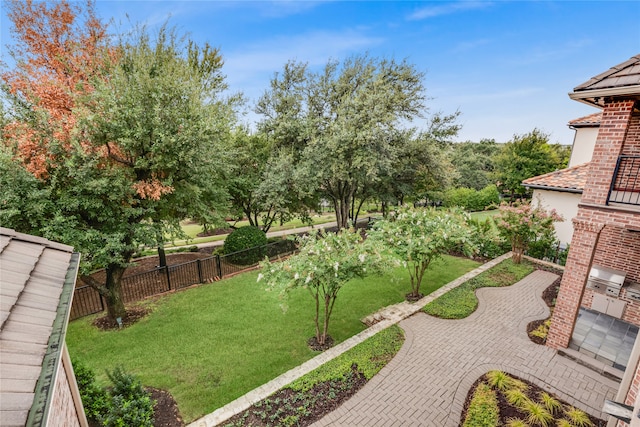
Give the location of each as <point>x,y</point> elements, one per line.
<point>219,264</point>
<point>166,267</point>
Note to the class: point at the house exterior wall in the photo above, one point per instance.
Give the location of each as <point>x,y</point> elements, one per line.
<point>566,204</point>
<point>584,142</point>
<point>600,236</point>
<point>66,405</point>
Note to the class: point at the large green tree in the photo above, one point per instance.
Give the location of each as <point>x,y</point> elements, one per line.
<point>422,163</point>
<point>523,157</point>
<point>141,148</point>
<point>474,163</point>
<point>340,125</point>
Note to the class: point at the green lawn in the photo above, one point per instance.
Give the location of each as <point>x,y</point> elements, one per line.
<point>483,215</point>
<point>212,344</point>
<point>460,302</point>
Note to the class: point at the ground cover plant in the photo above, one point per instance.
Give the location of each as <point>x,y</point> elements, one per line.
<point>500,399</point>
<point>460,302</point>
<point>322,390</point>
<point>211,344</point>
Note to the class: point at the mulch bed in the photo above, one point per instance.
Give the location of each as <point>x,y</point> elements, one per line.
<point>549,296</point>
<point>289,407</point>
<point>165,410</point>
<point>133,315</point>
<point>508,411</point>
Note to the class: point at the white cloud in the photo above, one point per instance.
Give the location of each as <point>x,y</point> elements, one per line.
<point>446,9</point>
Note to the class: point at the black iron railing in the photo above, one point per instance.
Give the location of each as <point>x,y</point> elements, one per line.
<point>87,300</point>
<point>625,187</point>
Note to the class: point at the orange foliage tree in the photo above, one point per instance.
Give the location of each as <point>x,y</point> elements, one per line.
<point>124,139</point>
<point>59,47</point>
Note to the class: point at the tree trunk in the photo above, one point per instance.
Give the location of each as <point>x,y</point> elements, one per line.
<point>516,257</point>
<point>113,285</point>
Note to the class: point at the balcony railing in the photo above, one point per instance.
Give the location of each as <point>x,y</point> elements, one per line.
<point>625,187</point>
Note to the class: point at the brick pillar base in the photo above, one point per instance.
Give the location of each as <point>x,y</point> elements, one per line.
<point>574,279</point>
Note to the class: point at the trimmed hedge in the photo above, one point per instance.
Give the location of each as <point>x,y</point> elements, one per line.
<point>244,238</point>
<point>472,200</point>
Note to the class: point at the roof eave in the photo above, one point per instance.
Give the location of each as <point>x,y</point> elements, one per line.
<point>38,415</point>
<point>560,189</point>
<point>594,97</point>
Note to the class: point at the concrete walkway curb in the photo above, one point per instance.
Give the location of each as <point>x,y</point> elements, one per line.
<point>393,315</point>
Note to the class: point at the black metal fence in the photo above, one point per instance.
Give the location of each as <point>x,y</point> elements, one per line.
<point>87,300</point>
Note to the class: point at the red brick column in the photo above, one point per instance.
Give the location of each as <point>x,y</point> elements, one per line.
<point>612,133</point>
<point>583,245</point>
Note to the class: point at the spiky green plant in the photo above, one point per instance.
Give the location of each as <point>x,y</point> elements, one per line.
<point>537,414</point>
<point>563,423</point>
<point>577,417</point>
<point>517,384</point>
<point>516,397</point>
<point>552,404</point>
<point>499,380</point>
<point>515,422</point>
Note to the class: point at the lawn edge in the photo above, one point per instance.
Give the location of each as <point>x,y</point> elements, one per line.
<point>402,311</point>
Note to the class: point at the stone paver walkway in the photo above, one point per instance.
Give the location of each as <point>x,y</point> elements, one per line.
<point>427,382</point>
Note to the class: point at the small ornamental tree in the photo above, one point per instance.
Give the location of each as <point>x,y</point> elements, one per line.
<point>418,236</point>
<point>522,224</point>
<point>324,264</point>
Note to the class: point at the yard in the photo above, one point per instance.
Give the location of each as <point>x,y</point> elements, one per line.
<point>211,344</point>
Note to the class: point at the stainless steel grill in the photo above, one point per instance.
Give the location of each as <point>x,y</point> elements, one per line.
<point>606,280</point>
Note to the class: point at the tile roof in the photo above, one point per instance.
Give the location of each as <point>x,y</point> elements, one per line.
<point>570,180</point>
<point>36,283</point>
<point>592,120</point>
<point>621,75</point>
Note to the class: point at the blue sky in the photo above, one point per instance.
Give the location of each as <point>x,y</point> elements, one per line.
<point>507,66</point>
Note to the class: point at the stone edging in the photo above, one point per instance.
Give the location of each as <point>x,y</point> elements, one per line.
<point>392,315</point>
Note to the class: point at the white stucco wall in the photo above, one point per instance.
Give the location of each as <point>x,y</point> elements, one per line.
<point>584,142</point>
<point>566,204</point>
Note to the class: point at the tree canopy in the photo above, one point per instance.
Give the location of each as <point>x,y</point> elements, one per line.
<point>340,126</point>
<point>526,156</point>
<point>129,148</point>
<point>474,163</point>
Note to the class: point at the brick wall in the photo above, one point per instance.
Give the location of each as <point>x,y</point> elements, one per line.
<point>632,142</point>
<point>611,246</point>
<point>63,411</point>
<point>611,136</point>
<point>620,249</point>
<point>584,241</point>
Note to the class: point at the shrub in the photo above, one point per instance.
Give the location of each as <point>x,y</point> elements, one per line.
<point>472,200</point>
<point>248,237</point>
<point>537,414</point>
<point>130,404</point>
<point>483,410</point>
<point>499,380</point>
<point>94,398</point>
<point>523,225</point>
<point>578,417</point>
<point>486,238</point>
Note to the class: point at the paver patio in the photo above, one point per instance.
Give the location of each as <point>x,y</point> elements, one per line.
<point>427,382</point>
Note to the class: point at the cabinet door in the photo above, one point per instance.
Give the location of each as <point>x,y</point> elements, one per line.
<point>600,303</point>
<point>616,307</point>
